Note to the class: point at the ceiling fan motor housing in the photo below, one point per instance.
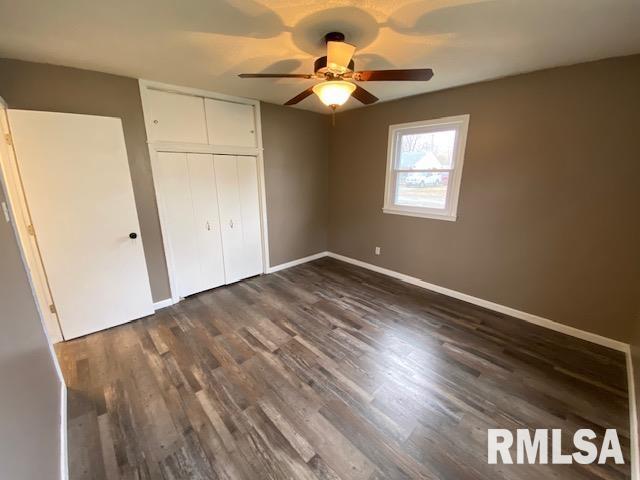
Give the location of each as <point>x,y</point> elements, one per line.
<point>320,65</point>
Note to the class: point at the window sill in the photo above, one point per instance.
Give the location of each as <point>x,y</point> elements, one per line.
<point>409,213</point>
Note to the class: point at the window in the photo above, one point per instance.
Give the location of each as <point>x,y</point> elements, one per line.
<point>424,167</point>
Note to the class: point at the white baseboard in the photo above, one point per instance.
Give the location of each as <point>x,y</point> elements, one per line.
<point>299,261</point>
<point>633,420</point>
<point>535,319</point>
<point>528,317</point>
<point>167,302</point>
<point>64,450</point>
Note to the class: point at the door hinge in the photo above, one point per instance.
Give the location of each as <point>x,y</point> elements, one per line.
<point>52,308</point>
<point>7,138</point>
<point>31,230</point>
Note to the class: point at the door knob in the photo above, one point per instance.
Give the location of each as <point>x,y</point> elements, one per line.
<point>133,235</point>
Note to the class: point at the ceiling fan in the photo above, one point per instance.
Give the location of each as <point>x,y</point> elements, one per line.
<point>336,68</point>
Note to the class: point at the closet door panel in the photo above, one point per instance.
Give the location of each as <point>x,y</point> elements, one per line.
<point>250,212</point>
<point>206,220</point>
<point>226,173</point>
<point>173,173</point>
<point>230,123</point>
<point>177,118</point>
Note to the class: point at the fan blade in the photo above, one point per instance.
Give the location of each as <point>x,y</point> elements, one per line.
<point>275,75</point>
<point>300,96</point>
<point>417,74</point>
<point>339,55</point>
<point>364,96</point>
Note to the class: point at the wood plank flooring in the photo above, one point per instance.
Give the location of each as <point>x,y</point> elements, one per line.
<point>328,371</point>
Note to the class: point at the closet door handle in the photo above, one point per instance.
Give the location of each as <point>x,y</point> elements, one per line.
<point>231,223</point>
<point>208,226</point>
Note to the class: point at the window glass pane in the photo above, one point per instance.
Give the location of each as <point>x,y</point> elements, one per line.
<point>422,189</point>
<point>423,151</point>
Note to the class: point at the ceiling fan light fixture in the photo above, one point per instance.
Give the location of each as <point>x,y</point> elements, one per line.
<point>334,93</point>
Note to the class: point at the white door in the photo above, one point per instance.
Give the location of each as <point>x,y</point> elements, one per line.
<point>190,217</point>
<point>250,214</point>
<point>177,211</point>
<point>230,123</point>
<point>176,117</point>
<point>207,222</point>
<point>226,167</point>
<point>239,206</point>
<point>77,184</point>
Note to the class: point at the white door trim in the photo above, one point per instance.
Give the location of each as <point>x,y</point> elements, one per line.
<point>156,147</point>
<point>16,199</point>
<point>24,252</point>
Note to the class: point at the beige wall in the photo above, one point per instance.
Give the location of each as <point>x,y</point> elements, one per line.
<point>295,145</point>
<point>548,209</point>
<point>29,385</point>
<point>296,168</point>
<point>37,86</point>
<point>548,214</point>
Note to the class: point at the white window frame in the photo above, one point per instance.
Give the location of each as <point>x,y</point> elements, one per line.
<point>461,124</point>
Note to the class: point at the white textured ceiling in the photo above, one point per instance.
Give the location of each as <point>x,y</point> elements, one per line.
<point>206,43</point>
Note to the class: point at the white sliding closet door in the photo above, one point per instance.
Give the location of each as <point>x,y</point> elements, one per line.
<point>190,211</point>
<point>238,199</point>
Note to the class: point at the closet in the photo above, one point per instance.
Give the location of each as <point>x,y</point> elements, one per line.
<point>206,155</point>
<point>211,218</point>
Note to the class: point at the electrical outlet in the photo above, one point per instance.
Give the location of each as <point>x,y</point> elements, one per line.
<point>377,251</point>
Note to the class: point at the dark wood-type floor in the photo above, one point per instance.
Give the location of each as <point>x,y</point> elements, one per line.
<point>328,371</point>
